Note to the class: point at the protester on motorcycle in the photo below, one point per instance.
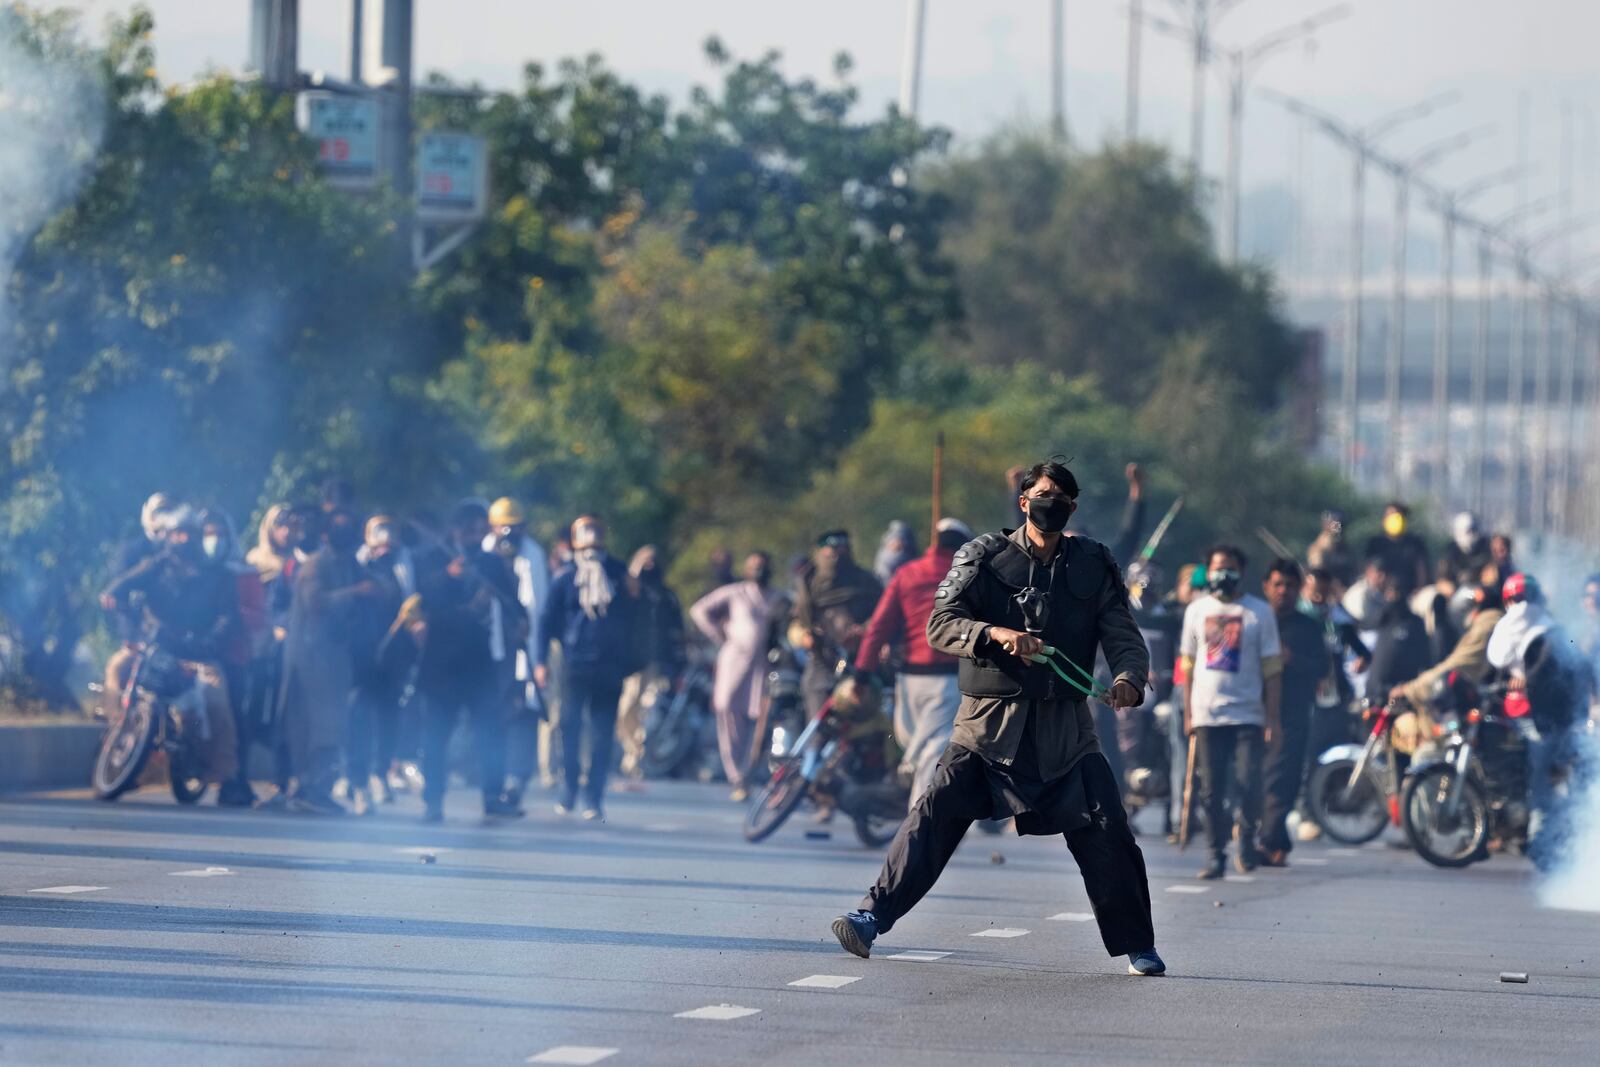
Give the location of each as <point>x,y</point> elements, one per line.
<point>738,619</point>
<point>1470,656</point>
<point>1544,665</point>
<point>660,652</point>
<point>926,695</point>
<point>189,610</point>
<point>834,597</point>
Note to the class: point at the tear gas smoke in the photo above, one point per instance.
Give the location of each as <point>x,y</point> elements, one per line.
<point>52,112</point>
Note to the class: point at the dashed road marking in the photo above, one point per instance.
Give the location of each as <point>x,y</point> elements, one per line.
<point>1186,889</point>
<point>718,1011</point>
<point>1312,863</point>
<point>423,850</point>
<point>918,955</point>
<point>663,827</point>
<point>65,890</point>
<point>1072,917</point>
<point>1241,877</point>
<point>202,872</point>
<point>1000,931</point>
<point>1344,852</point>
<point>826,981</point>
<point>576,1055</point>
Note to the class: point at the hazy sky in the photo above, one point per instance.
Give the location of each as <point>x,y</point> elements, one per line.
<point>987,62</point>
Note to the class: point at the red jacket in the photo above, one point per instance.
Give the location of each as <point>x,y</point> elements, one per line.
<point>902,617</point>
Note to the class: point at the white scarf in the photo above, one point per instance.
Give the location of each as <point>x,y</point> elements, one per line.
<point>594,585</point>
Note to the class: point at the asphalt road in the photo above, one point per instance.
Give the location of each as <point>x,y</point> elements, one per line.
<point>216,937</point>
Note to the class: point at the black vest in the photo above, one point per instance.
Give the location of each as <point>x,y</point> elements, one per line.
<point>1074,582</point>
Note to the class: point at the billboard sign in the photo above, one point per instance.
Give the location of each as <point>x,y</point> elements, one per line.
<point>345,128</point>
<point>452,177</point>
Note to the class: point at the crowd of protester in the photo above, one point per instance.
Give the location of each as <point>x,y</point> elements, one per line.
<point>342,651</point>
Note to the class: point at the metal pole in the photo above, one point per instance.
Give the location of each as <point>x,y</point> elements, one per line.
<point>1442,351</point>
<point>1538,506</point>
<point>911,61</point>
<point>1480,372</point>
<point>1230,251</point>
<point>1397,329</point>
<point>1352,313</point>
<point>1569,370</point>
<point>1135,40</point>
<point>1058,69</point>
<point>1197,91</point>
<point>356,35</point>
<point>275,42</point>
<point>1514,368</point>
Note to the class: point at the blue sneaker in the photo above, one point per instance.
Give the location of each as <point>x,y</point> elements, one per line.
<point>1146,963</point>
<point>856,932</point>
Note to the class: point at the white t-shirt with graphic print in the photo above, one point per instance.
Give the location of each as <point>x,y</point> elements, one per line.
<point>1226,641</point>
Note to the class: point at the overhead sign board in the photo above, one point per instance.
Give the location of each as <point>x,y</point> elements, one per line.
<point>345,128</point>
<point>452,177</point>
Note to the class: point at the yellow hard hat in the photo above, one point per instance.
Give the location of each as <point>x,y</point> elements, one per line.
<point>505,512</point>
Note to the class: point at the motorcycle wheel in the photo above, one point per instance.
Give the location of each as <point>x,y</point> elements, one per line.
<point>877,828</point>
<point>123,751</point>
<point>1456,842</point>
<point>1352,818</point>
<point>774,803</point>
<point>667,746</point>
<point>184,769</point>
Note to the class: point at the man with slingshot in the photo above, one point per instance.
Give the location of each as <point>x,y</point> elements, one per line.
<point>1024,612</point>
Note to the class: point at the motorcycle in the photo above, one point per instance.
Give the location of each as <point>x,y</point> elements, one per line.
<point>1470,783</point>
<point>1354,790</point>
<point>678,721</point>
<point>149,718</point>
<point>829,763</point>
<point>783,713</point>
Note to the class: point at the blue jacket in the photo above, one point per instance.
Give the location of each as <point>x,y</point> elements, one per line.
<point>605,644</point>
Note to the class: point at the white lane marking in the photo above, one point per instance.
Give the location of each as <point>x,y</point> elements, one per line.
<point>1344,852</point>
<point>1312,863</point>
<point>422,850</point>
<point>1241,877</point>
<point>826,981</point>
<point>918,955</point>
<point>65,889</point>
<point>1072,917</point>
<point>576,1055</point>
<point>663,827</point>
<point>203,872</point>
<point>1186,889</point>
<point>1000,931</point>
<point>718,1011</point>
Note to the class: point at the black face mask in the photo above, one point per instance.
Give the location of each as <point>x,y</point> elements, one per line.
<point>761,576</point>
<point>1224,583</point>
<point>650,576</point>
<point>1049,515</point>
<point>344,538</point>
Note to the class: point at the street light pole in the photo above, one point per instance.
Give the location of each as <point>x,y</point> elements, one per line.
<point>1135,41</point>
<point>1480,368</point>
<point>911,59</point>
<point>1058,75</point>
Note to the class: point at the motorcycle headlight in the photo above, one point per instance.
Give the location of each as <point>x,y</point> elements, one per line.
<point>780,740</point>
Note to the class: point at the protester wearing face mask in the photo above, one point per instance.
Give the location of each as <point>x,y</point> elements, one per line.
<point>590,614</point>
<point>508,537</point>
<point>1233,660</point>
<point>738,618</point>
<point>658,642</point>
<point>1468,550</point>
<point>329,591</point>
<point>250,640</point>
<point>379,666</point>
<point>1024,613</point>
<point>833,599</point>
<point>1403,553</point>
<point>190,610</point>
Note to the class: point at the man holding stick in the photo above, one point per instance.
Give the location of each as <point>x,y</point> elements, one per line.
<point>1023,612</point>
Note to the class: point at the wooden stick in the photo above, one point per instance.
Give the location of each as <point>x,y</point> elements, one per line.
<point>1188,797</point>
<point>938,487</point>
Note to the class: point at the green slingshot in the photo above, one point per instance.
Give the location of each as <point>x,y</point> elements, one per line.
<point>1054,658</point>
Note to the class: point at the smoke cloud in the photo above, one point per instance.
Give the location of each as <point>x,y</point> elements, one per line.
<point>52,113</point>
